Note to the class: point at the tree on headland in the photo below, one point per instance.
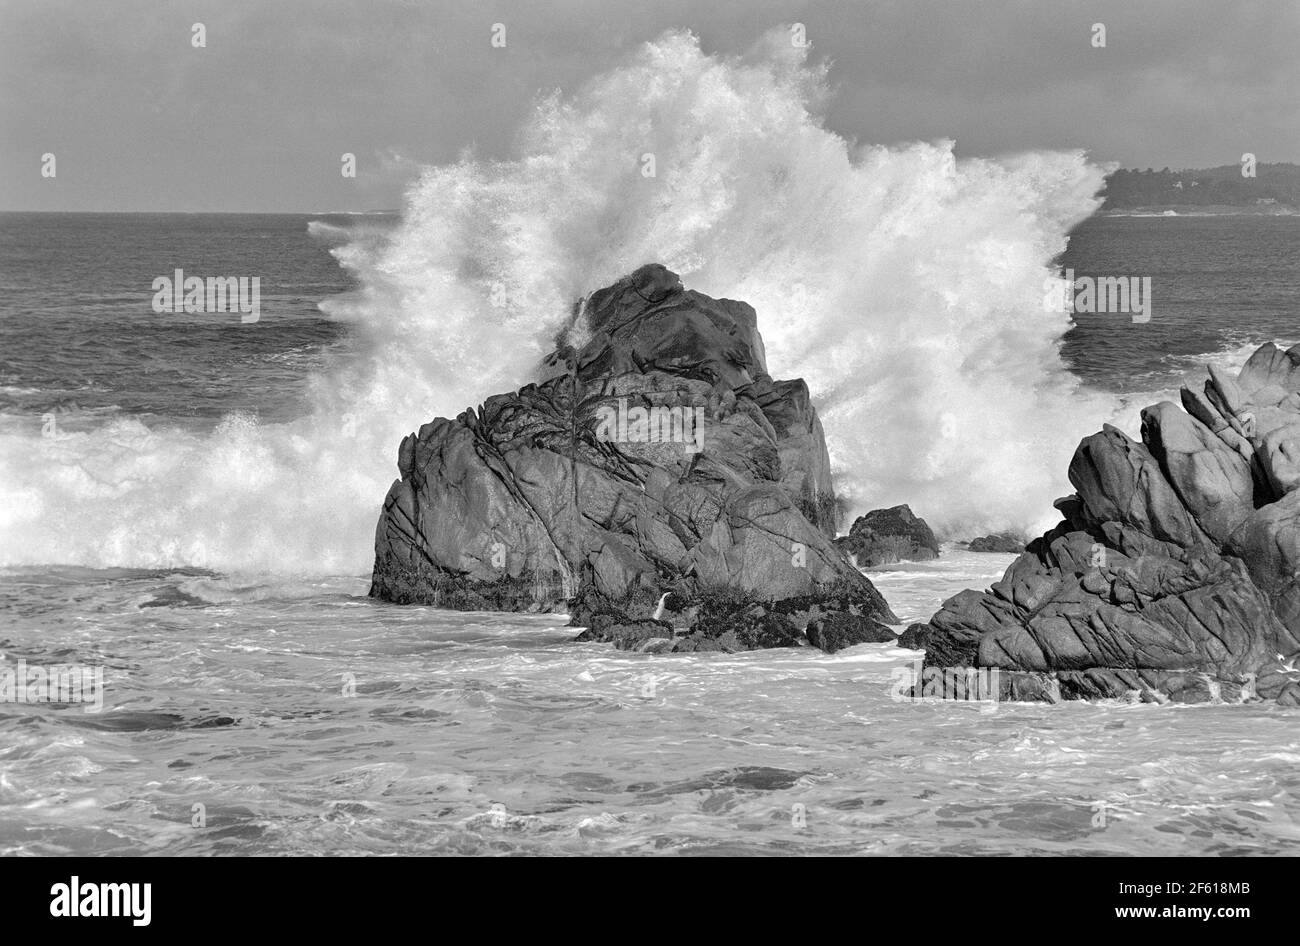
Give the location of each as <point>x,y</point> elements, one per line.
<point>1274,185</point>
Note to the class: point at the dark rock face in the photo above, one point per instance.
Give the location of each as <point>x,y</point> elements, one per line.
<point>628,635</point>
<point>736,620</point>
<point>998,542</point>
<point>1175,574</point>
<point>837,631</point>
<point>885,536</point>
<point>656,457</point>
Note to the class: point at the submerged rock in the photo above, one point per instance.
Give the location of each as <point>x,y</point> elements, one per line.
<point>655,467</point>
<point>886,536</point>
<point>1175,573</point>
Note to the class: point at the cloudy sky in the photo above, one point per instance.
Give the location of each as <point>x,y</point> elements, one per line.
<point>139,119</point>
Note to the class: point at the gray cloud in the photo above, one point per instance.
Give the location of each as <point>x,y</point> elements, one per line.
<point>140,120</point>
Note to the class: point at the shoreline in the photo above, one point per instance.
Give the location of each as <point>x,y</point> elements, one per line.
<point>1193,210</point>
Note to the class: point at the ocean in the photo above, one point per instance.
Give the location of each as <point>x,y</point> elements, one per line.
<point>167,529</point>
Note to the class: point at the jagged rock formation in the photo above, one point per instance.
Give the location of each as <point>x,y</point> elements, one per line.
<point>1174,575</point>
<point>886,536</point>
<point>656,457</point>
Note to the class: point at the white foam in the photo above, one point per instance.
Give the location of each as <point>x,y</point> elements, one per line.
<point>903,284</point>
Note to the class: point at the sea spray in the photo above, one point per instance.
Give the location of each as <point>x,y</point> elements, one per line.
<point>902,283</point>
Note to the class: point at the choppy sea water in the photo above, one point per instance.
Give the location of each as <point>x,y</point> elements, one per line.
<point>305,718</point>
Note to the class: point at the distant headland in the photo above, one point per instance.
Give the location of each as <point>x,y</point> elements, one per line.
<point>1270,189</point>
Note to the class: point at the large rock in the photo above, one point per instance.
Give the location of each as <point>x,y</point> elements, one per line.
<point>1175,574</point>
<point>886,536</point>
<point>655,457</point>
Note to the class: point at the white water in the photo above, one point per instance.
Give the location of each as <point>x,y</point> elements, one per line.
<point>308,719</point>
<point>906,286</point>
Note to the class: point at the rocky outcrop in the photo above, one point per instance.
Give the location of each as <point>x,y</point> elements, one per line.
<point>998,542</point>
<point>656,470</point>
<point>1175,573</point>
<point>886,536</point>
